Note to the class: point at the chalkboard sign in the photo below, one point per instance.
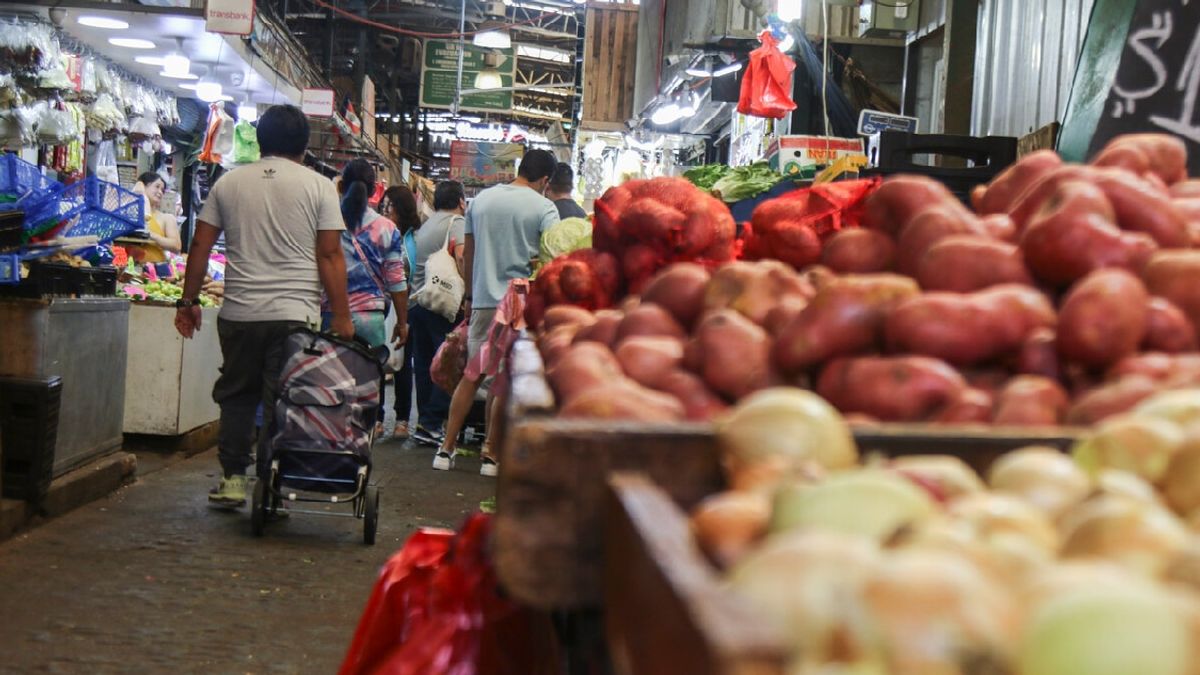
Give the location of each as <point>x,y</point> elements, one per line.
<point>1139,72</point>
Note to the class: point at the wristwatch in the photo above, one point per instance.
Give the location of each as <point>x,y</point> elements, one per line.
<point>182,303</point>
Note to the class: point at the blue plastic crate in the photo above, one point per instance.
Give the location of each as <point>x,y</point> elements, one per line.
<point>22,183</point>
<point>93,207</point>
<point>10,268</point>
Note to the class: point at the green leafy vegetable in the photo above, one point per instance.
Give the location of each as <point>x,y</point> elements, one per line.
<point>568,235</point>
<point>705,176</point>
<point>745,182</point>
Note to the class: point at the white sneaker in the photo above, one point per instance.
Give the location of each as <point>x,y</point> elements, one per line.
<point>489,467</point>
<point>443,461</point>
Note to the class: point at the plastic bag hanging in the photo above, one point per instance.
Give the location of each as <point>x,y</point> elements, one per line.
<point>245,143</point>
<point>767,85</point>
<point>218,136</point>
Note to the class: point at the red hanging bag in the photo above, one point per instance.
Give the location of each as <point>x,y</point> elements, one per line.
<point>767,86</point>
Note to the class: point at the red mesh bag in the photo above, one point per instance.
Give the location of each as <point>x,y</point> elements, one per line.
<point>585,278</point>
<point>791,227</point>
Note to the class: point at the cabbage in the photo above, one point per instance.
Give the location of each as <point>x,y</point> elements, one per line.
<point>745,182</point>
<point>565,237</point>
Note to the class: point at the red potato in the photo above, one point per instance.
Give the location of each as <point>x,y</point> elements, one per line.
<point>928,228</point>
<point>1039,354</point>
<point>1074,233</point>
<point>754,289</point>
<point>700,404</point>
<point>1187,189</point>
<point>648,360</point>
<point>991,380</point>
<point>999,226</point>
<point>901,198</point>
<point>623,399</point>
<point>1103,318</point>
<point>1161,155</point>
<point>1175,276</point>
<point>639,261</point>
<point>789,240</point>
<point>1168,329</point>
<point>1142,207</point>
<point>604,330</point>
<point>1165,369</point>
<point>966,262</point>
<point>567,315</point>
<point>783,314</point>
<point>890,389</point>
<point>846,317</point>
<point>585,278</point>
<point>651,320</point>
<point>555,342</point>
<point>1030,400</point>
<point>1034,198</point>
<point>970,406</point>
<point>581,368</point>
<point>1189,208</point>
<point>734,354</point>
<point>968,328</point>
<point>858,250</point>
<point>679,289</point>
<point>1005,189</point>
<point>1110,399</point>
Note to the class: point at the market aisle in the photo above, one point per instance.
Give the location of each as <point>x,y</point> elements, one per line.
<point>151,580</point>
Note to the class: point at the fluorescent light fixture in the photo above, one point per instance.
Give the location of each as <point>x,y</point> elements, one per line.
<point>488,78</point>
<point>208,91</point>
<point>247,111</point>
<point>666,114</point>
<point>180,76</point>
<point>225,97</point>
<point>493,39</point>
<point>190,87</point>
<point>728,70</point>
<point>787,44</point>
<point>151,60</point>
<point>176,65</point>
<point>131,43</point>
<point>102,22</point>
<point>698,72</point>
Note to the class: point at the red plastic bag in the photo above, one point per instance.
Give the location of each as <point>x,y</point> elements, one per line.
<point>767,85</point>
<point>436,609</point>
<point>450,361</point>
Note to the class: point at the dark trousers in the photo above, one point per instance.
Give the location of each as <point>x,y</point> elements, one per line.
<point>426,333</point>
<point>253,358</point>
<point>402,381</point>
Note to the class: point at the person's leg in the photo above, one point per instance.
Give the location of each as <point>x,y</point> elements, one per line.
<point>404,384</point>
<point>428,333</point>
<point>273,335</point>
<point>494,411</point>
<point>238,392</point>
<point>460,407</point>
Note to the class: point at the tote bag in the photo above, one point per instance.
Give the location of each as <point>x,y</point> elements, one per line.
<point>444,287</point>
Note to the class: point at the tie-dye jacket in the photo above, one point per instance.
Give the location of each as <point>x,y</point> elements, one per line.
<point>383,246</point>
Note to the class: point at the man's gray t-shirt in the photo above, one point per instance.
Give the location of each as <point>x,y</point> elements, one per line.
<point>430,237</point>
<point>507,222</point>
<point>270,212</point>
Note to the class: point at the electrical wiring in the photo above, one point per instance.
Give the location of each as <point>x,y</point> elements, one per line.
<point>413,33</point>
<point>901,5</point>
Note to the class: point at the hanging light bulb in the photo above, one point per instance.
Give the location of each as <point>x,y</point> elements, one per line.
<point>208,91</point>
<point>488,78</point>
<point>665,114</point>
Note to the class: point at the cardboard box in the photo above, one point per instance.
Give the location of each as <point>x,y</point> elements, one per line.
<point>791,155</point>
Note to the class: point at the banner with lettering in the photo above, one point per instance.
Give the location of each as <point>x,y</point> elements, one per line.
<point>229,17</point>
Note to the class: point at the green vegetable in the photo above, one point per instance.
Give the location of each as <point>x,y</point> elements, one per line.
<point>705,176</point>
<point>745,182</point>
<point>566,236</point>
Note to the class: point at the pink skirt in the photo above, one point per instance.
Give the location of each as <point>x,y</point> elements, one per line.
<point>505,328</point>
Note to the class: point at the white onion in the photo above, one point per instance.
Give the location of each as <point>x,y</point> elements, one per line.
<point>950,476</point>
<point>1181,406</point>
<point>1140,445</point>
<point>868,502</point>
<point>727,524</point>
<point>1139,536</point>
<point>1044,477</point>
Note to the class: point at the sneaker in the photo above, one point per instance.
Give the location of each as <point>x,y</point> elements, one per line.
<point>400,430</point>
<point>490,467</point>
<point>231,492</point>
<point>443,461</point>
<point>423,436</point>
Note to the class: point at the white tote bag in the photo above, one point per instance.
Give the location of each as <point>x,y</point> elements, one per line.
<point>444,287</point>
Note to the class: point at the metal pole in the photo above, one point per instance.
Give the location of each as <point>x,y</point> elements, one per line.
<point>462,48</point>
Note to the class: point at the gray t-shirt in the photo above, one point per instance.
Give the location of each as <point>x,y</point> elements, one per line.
<point>507,222</point>
<point>430,237</point>
<point>270,212</point>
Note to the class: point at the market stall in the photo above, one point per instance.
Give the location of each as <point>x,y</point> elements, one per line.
<point>169,380</point>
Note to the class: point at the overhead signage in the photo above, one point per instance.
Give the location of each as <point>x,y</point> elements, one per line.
<point>229,17</point>
<point>439,68</point>
<point>317,102</point>
<point>871,122</point>
<point>479,164</point>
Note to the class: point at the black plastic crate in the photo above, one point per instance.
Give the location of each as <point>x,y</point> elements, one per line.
<point>12,228</point>
<point>97,280</point>
<point>47,278</point>
<point>988,155</point>
<point>29,434</point>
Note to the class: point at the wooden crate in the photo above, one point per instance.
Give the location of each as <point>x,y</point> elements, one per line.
<point>548,543</point>
<point>609,65</point>
<point>666,611</point>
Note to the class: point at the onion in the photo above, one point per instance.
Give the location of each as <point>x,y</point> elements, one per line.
<point>934,612</point>
<point>805,581</point>
<point>1141,445</point>
<point>949,476</point>
<point>995,515</point>
<point>772,434</point>
<point>1007,556</point>
<point>1185,567</point>
<point>803,666</point>
<point>868,502</point>
<point>1181,406</point>
<point>1109,629</point>
<point>1139,536</point>
<point>1181,485</point>
<point>1125,484</point>
<point>727,524</point>
<point>1046,478</point>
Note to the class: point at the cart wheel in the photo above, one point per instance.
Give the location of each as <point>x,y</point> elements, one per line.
<point>258,508</point>
<point>371,516</point>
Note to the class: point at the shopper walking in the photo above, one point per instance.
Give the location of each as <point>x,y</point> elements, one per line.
<point>282,229</point>
<point>445,228</point>
<point>503,229</point>
<point>374,251</point>
<point>399,204</point>
<point>562,184</point>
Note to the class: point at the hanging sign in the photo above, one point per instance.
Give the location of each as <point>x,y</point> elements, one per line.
<point>871,122</point>
<point>439,71</point>
<point>317,102</point>
<point>480,164</point>
<point>229,17</point>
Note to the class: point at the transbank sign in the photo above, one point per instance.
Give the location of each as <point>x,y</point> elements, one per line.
<point>230,17</point>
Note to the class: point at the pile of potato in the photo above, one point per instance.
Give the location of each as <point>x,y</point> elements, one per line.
<point>1068,294</point>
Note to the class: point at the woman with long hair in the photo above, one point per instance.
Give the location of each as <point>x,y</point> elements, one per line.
<point>400,205</point>
<point>374,251</point>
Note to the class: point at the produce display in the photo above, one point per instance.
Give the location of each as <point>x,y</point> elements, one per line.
<point>1051,564</point>
<point>170,290</point>
<point>733,184</point>
<point>1065,294</point>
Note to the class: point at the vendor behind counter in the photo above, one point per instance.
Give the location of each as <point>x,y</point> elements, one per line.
<point>162,228</point>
